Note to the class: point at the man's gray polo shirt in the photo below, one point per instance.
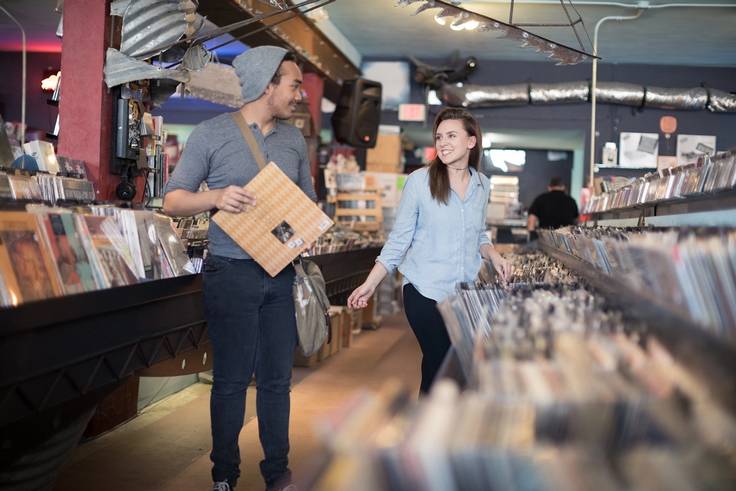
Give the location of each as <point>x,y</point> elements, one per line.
<point>217,154</point>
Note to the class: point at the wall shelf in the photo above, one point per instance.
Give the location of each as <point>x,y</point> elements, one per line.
<point>713,209</point>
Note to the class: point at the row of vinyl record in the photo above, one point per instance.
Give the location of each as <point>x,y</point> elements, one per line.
<point>342,239</point>
<point>46,187</point>
<point>686,271</point>
<point>711,175</point>
<point>562,396</point>
<point>48,252</point>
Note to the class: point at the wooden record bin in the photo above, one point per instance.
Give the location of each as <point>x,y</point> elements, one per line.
<point>359,210</point>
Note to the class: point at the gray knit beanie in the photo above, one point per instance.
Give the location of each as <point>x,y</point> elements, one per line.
<point>255,68</point>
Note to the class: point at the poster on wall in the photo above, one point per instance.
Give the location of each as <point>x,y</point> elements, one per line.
<point>394,76</point>
<point>692,147</point>
<point>638,150</point>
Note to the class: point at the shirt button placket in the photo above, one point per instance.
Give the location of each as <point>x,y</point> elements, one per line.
<point>462,254</point>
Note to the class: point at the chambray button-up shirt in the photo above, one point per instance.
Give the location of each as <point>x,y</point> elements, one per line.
<point>436,246</point>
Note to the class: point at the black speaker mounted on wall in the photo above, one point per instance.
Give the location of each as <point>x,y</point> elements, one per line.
<point>358,113</point>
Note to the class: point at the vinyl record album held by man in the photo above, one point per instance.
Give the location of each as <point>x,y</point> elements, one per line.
<point>283,223</point>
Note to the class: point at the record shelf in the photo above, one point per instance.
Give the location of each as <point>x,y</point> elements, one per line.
<point>59,357</point>
<point>345,271</point>
<point>702,209</point>
<point>61,348</point>
<point>711,357</point>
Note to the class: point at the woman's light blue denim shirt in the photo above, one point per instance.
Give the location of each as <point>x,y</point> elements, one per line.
<point>436,246</point>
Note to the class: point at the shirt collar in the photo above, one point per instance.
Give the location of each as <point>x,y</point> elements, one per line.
<point>274,129</point>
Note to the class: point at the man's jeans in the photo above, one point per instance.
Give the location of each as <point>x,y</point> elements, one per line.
<point>252,327</point>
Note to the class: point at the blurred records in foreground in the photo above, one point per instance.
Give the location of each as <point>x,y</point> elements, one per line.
<point>47,252</point>
<point>562,395</point>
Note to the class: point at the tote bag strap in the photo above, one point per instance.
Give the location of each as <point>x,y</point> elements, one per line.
<point>249,138</point>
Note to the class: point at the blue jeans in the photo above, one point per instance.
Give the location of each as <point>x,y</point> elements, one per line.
<point>252,327</point>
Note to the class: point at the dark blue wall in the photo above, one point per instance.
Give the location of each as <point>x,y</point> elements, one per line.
<point>39,115</point>
<point>611,119</point>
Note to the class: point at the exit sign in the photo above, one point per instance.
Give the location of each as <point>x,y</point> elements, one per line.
<point>412,112</point>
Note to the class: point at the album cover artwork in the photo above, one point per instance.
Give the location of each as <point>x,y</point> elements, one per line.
<point>29,269</point>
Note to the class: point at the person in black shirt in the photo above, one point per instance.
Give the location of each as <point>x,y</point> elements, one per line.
<point>553,209</point>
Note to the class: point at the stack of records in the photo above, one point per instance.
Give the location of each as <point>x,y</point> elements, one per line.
<point>710,175</point>
<point>690,272</point>
<point>50,252</point>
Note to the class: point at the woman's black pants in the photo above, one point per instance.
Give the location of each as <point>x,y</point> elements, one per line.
<point>429,328</point>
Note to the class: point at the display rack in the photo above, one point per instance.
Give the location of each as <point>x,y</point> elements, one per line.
<point>711,357</point>
<point>712,209</point>
<point>360,210</point>
<point>345,271</point>
<point>59,349</point>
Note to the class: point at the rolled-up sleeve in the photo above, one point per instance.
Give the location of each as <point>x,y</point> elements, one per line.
<point>402,234</point>
<point>193,165</point>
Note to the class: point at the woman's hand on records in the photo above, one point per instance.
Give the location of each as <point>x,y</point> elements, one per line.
<point>503,267</point>
<point>234,199</point>
<point>360,296</point>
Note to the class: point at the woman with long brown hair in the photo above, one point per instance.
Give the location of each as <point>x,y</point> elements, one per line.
<point>439,237</point>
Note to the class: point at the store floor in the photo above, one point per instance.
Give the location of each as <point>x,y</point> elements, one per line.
<point>167,446</point>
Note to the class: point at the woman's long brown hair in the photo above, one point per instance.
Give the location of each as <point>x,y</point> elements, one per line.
<point>439,180</point>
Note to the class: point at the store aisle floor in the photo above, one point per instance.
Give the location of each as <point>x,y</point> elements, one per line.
<point>167,446</point>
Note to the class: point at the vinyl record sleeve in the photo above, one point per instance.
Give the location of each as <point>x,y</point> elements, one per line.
<point>70,258</point>
<point>174,252</point>
<point>114,267</point>
<point>25,264</point>
<point>284,222</point>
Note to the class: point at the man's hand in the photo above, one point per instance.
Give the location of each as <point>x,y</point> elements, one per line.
<point>234,199</point>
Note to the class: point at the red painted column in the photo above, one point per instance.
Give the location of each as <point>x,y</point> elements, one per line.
<point>314,86</point>
<point>85,108</point>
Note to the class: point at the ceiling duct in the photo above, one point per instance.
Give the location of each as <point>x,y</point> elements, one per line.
<point>693,99</point>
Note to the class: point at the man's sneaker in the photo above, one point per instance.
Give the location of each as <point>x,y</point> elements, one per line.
<point>221,486</point>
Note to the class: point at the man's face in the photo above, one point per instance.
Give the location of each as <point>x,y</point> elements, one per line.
<point>284,97</point>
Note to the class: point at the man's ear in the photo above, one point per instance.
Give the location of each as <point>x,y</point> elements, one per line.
<point>269,89</point>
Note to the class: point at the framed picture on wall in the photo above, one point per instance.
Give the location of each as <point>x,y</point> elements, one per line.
<point>692,147</point>
<point>638,150</point>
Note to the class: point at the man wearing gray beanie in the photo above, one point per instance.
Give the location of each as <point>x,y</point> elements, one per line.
<point>250,316</point>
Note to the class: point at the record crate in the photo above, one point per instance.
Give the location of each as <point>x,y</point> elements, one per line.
<point>360,210</point>
<point>370,318</point>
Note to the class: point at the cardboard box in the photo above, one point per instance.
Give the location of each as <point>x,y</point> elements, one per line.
<point>386,155</point>
<point>370,318</point>
<point>347,330</point>
<point>356,321</point>
<point>303,361</point>
<point>388,184</point>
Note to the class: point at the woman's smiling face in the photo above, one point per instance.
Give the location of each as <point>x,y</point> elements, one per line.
<point>452,142</point>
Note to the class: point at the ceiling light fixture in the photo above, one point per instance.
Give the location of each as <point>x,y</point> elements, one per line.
<point>440,20</point>
<point>472,21</point>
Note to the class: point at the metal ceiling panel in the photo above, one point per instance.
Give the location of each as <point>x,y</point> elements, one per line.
<point>151,26</point>
<point>120,68</point>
